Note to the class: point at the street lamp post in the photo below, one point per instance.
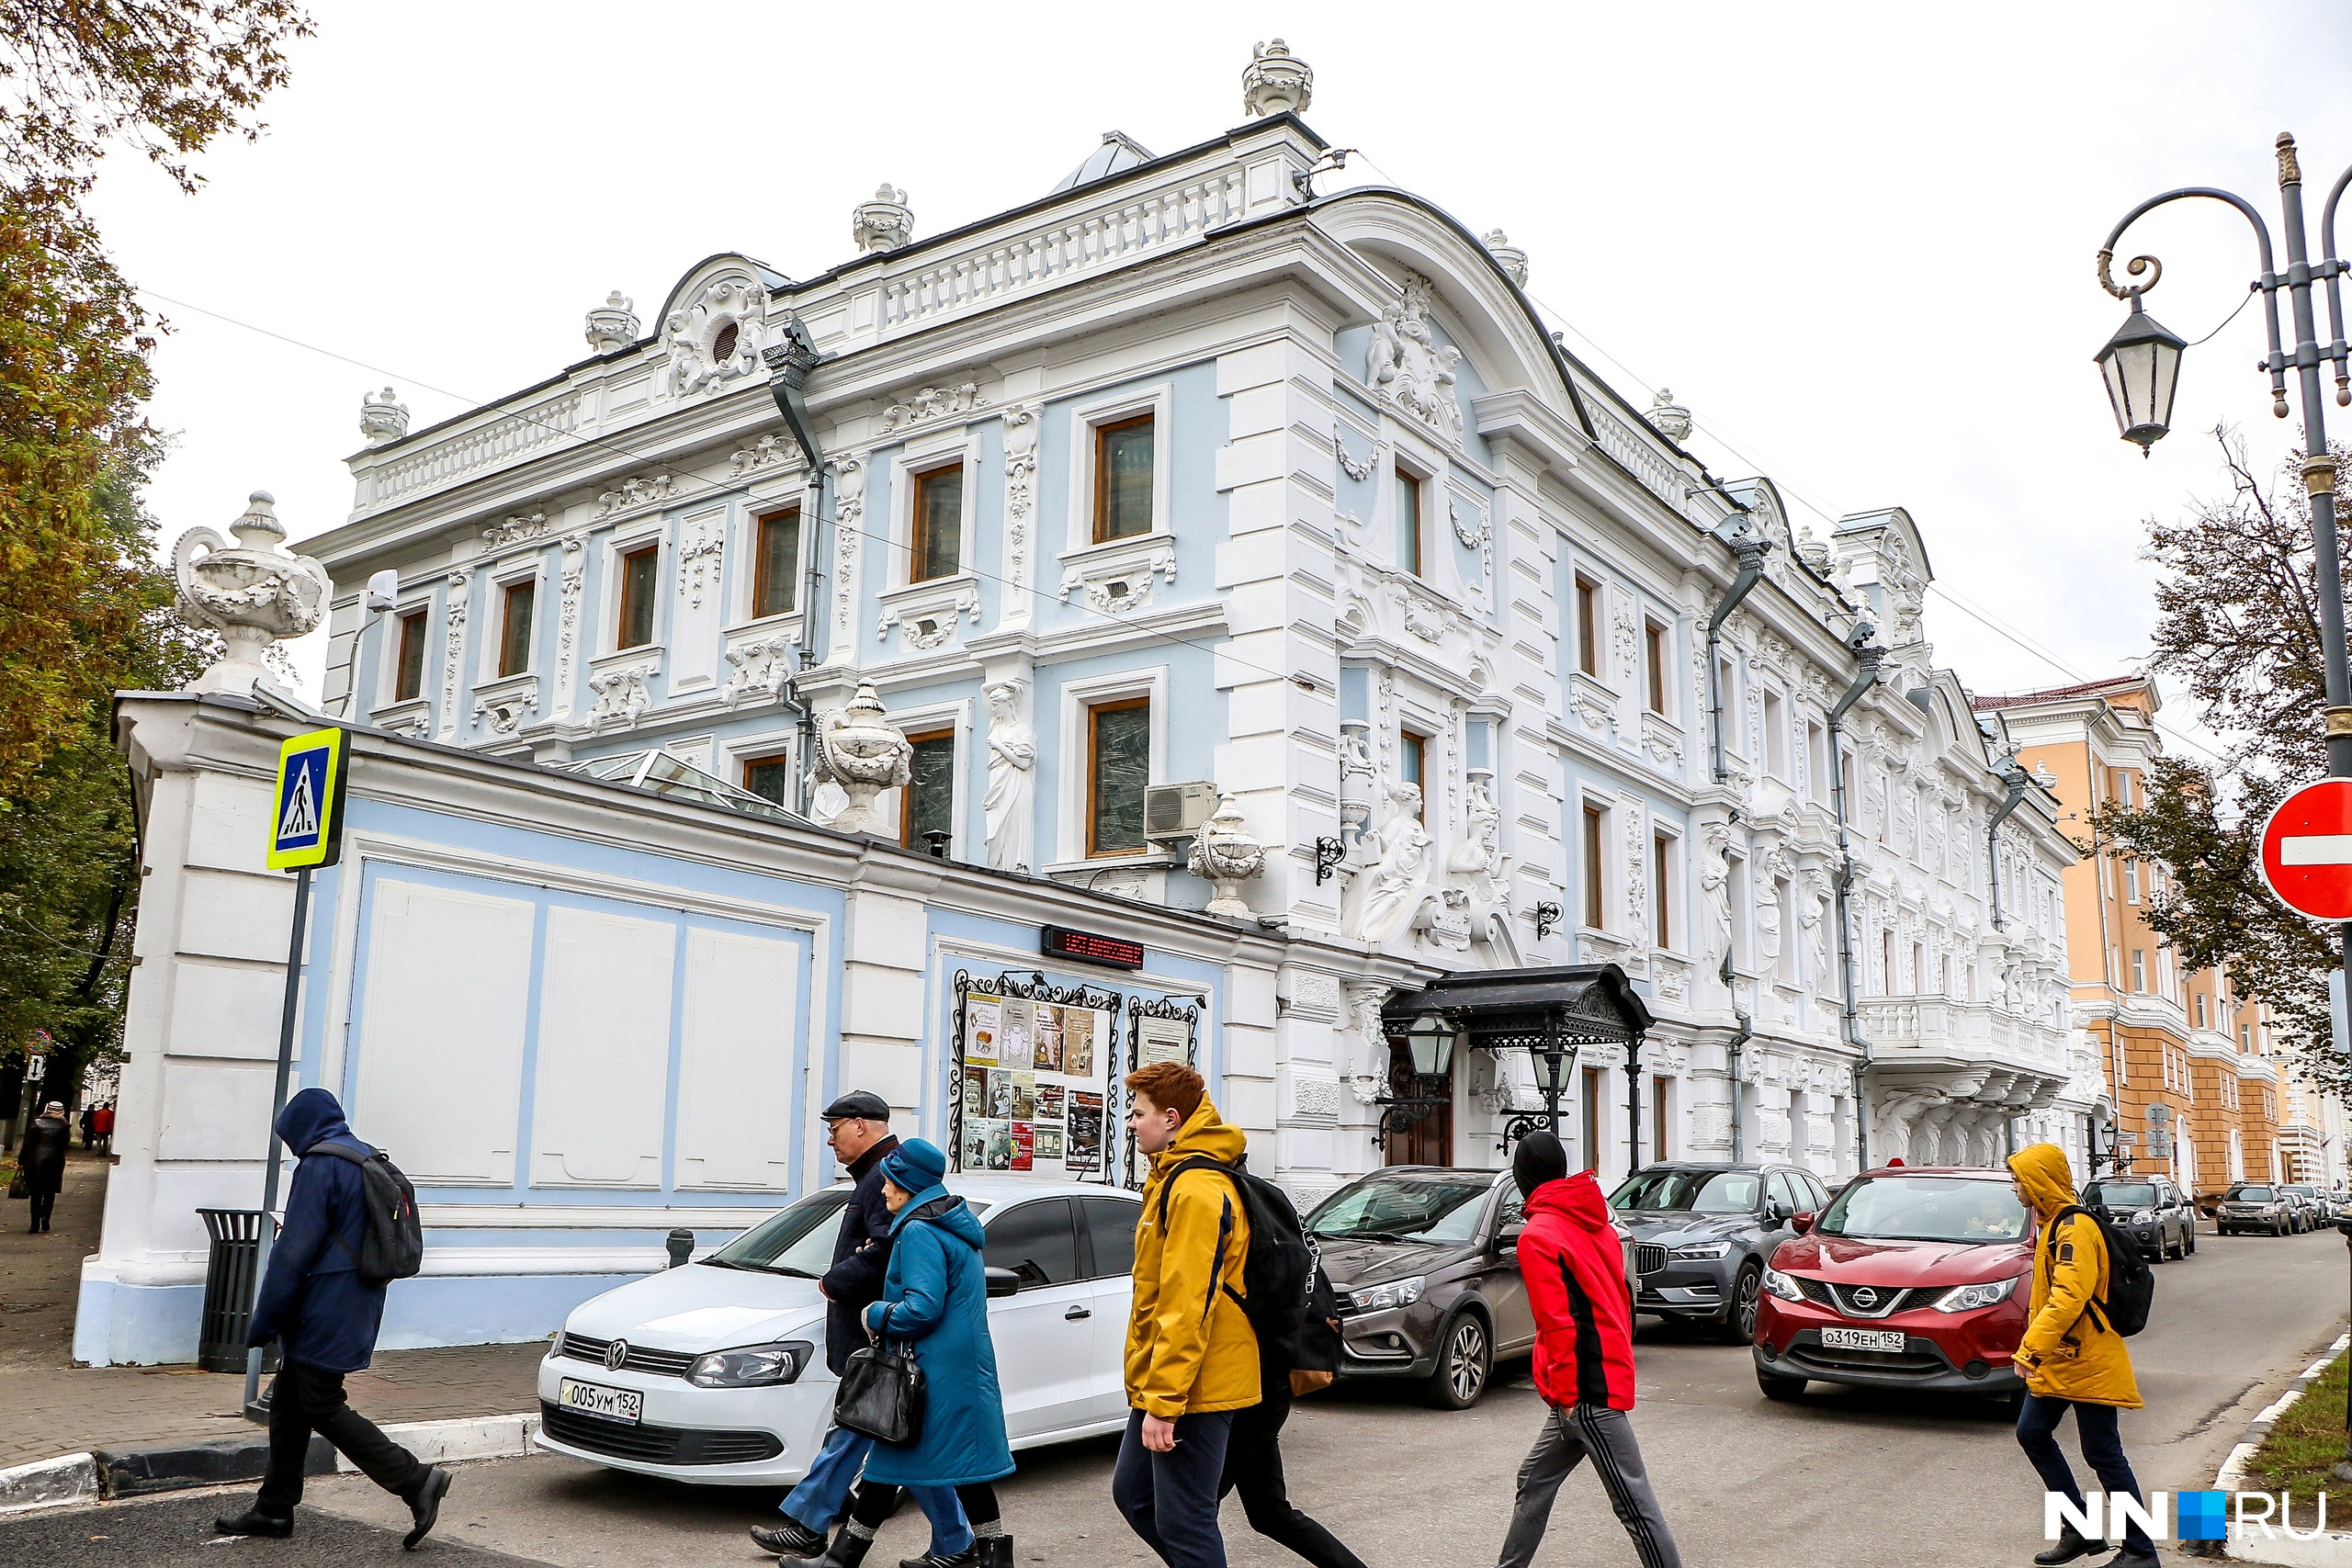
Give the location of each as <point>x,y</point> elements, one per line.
<point>2140,366</point>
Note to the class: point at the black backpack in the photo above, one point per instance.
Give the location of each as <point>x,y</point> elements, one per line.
<point>2131,1282</point>
<point>1278,1273</point>
<point>393,1248</point>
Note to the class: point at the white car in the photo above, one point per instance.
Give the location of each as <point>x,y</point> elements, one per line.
<point>715,1372</point>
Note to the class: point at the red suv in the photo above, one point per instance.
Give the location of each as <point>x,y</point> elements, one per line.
<point>1913,1277</point>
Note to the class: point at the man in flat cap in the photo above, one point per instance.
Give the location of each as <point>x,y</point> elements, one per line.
<point>857,1125</point>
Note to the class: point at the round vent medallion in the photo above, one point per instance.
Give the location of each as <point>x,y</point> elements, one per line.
<point>722,347</point>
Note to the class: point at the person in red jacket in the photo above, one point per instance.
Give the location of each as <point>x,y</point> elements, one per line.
<point>1574,1270</point>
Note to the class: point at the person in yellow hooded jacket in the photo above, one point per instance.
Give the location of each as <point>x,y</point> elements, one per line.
<point>1192,1357</point>
<point>2071,1357</point>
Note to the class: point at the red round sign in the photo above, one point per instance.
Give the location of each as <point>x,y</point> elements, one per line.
<point>2307,851</point>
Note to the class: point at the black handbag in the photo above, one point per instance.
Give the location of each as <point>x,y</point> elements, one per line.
<point>881,1395</point>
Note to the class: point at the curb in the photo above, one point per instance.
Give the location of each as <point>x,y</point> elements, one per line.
<point>2322,1552</point>
<point>86,1478</point>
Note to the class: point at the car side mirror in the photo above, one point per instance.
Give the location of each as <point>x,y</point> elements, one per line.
<point>1777,1212</point>
<point>1507,1237</point>
<point>1002,1283</point>
<point>1801,1222</point>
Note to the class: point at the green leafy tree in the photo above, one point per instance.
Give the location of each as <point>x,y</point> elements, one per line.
<point>2237,622</point>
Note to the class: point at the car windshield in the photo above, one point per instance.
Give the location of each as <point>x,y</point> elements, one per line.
<point>2248,1195</point>
<point>797,1241</point>
<point>1696,1191</point>
<point>1926,1208</point>
<point>2300,1192</point>
<point>1383,1207</point>
<point>2120,1194</point>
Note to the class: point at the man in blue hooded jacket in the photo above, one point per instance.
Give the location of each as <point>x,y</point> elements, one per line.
<point>325,1316</point>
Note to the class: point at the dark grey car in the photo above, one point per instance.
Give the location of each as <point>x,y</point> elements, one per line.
<point>2151,1211</point>
<point>1702,1233</point>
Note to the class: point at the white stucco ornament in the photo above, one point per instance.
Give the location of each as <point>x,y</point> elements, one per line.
<point>1409,364</point>
<point>612,325</point>
<point>253,594</point>
<point>1227,855</point>
<point>1510,257</point>
<point>1277,82</point>
<point>383,418</point>
<point>862,752</point>
<point>886,223</point>
<point>1667,417</point>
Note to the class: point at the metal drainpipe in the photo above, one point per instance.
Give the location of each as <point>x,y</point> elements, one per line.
<point>1747,1032</point>
<point>1866,657</point>
<point>789,362</point>
<point>2018,781</point>
<point>1751,549</point>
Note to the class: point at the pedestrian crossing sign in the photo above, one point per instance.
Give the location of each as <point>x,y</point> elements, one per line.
<point>306,826</point>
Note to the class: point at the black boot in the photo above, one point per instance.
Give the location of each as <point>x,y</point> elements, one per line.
<point>849,1549</point>
<point>2070,1545</point>
<point>967,1558</point>
<point>2128,1558</point>
<point>425,1506</point>
<point>253,1521</point>
<point>789,1539</point>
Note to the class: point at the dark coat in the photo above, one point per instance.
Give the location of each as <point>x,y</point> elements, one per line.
<point>314,1298</point>
<point>43,1156</point>
<point>860,1257</point>
<point>937,1296</point>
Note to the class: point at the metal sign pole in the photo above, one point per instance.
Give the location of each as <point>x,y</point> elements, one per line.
<point>277,1103</point>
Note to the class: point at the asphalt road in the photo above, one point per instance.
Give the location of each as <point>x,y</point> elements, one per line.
<point>1841,1481</point>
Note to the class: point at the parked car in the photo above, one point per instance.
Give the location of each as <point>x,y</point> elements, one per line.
<point>2310,1204</point>
<point>2255,1207</point>
<point>2151,1213</point>
<point>1425,1261</point>
<point>1915,1277</point>
<point>715,1372</point>
<point>1703,1232</point>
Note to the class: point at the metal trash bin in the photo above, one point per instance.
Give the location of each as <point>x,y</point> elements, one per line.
<point>229,1286</point>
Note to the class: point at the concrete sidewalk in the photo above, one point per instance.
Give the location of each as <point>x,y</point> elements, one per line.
<point>54,1407</point>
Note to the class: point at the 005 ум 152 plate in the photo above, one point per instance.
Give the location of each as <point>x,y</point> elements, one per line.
<point>623,1405</point>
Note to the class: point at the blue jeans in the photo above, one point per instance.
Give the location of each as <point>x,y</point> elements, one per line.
<point>1170,1499</point>
<point>817,1500</point>
<point>2102,1444</point>
<point>950,1531</point>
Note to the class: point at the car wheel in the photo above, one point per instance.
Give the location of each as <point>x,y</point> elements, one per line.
<point>1463,1358</point>
<point>1780,1388</point>
<point>1739,1326</point>
<point>2162,1252</point>
<point>2180,1248</point>
<point>2188,1239</point>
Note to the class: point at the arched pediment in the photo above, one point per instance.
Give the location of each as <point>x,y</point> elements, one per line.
<point>715,322</point>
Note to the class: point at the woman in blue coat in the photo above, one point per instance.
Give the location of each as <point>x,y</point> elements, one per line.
<point>935,1297</point>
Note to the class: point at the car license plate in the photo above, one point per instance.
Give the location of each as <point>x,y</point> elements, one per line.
<point>1861,1338</point>
<point>623,1405</point>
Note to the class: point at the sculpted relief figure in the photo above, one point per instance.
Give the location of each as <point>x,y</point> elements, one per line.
<point>1395,880</point>
<point>1483,872</point>
<point>1408,362</point>
<point>1012,761</point>
<point>1714,892</point>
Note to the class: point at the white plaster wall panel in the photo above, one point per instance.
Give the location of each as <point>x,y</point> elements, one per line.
<point>1263,408</point>
<point>226,914</point>
<point>448,992</point>
<point>1250,459</point>
<point>1248,367</point>
<point>888,1002</point>
<point>1252,557</point>
<point>892,1069</point>
<point>228,826</point>
<point>697,601</point>
<point>604,1050</point>
<point>222,1010</point>
<point>888,930</point>
<point>215,1111</point>
<point>735,1070</point>
<point>1248,1102</point>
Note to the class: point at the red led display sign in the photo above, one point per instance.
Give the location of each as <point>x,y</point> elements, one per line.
<point>1057,942</point>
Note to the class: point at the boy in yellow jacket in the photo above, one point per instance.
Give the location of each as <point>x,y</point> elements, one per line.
<point>1191,1356</point>
<point>2072,1358</point>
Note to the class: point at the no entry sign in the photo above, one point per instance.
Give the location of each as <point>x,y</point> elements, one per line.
<point>2307,851</point>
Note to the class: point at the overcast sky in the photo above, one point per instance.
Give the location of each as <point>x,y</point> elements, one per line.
<point>1858,244</point>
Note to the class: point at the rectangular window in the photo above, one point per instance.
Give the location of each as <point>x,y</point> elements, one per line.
<point>1886,962</point>
<point>1412,754</point>
<point>1654,658</point>
<point>1123,455</point>
<point>2139,968</point>
<point>770,778</point>
<point>776,566</point>
<point>927,800</point>
<point>408,676</point>
<point>638,570</point>
<point>1662,908</point>
<point>1816,762</point>
<point>1588,626</point>
<point>1589,1121</point>
<point>1408,520</point>
<point>936,548</point>
<point>1118,766</point>
<point>2200,1010</point>
<point>514,628</point>
<point>1776,737</point>
<point>1661,1121</point>
<point>1595,907</point>
<point>2130,882</point>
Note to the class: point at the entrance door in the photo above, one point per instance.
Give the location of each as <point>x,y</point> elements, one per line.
<point>1429,1140</point>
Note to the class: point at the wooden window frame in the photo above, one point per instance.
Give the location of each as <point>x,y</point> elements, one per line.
<point>1592,1109</point>
<point>1094,712</point>
<point>919,520</point>
<point>1653,655</point>
<point>1661,1120</point>
<point>765,760</point>
<point>413,628</point>
<point>1415,484</point>
<point>1586,594</point>
<point>513,661</point>
<point>1662,912</point>
<point>1102,432</point>
<point>762,578</point>
<point>1416,745</point>
<point>623,561</point>
<point>1592,848</point>
<point>906,791</point>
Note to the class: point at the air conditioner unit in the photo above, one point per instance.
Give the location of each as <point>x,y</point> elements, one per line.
<point>1176,811</point>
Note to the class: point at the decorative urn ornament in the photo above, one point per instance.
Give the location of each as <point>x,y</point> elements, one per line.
<point>886,223</point>
<point>860,749</point>
<point>383,418</point>
<point>1508,256</point>
<point>1669,418</point>
<point>613,325</point>
<point>1276,82</point>
<point>251,593</point>
<point>1227,855</point>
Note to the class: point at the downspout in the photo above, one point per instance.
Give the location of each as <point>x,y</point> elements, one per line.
<point>789,364</point>
<point>1751,548</point>
<point>1746,1032</point>
<point>1867,655</point>
<point>2007,771</point>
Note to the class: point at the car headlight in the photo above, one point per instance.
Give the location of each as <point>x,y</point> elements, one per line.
<point>1968,1298</point>
<point>1780,1285</point>
<point>1395,1294</point>
<point>1699,1250</point>
<point>2142,1217</point>
<point>753,1366</point>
